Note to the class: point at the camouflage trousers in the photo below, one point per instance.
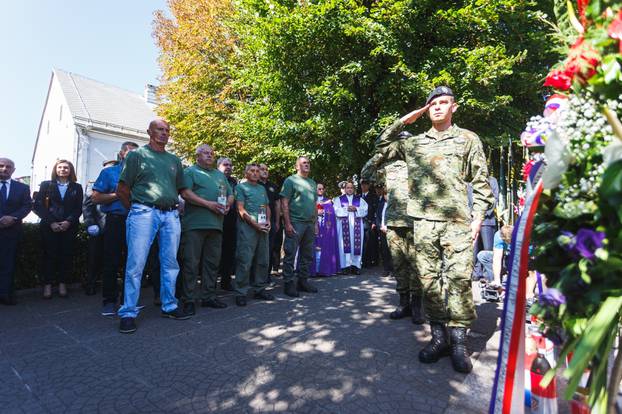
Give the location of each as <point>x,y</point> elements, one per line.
<point>444,262</point>
<point>400,241</point>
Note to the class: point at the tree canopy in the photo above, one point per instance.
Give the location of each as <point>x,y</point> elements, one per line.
<point>270,80</point>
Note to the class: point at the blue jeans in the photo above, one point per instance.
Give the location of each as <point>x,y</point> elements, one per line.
<point>143,223</point>
<point>484,257</point>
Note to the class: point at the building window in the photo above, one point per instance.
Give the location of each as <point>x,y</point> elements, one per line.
<point>60,117</point>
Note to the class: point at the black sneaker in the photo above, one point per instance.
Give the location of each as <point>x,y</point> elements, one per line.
<point>240,300</point>
<point>127,325</point>
<point>263,295</point>
<point>213,303</point>
<point>176,313</point>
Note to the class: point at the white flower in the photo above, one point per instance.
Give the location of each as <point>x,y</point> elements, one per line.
<point>612,153</point>
<point>558,158</point>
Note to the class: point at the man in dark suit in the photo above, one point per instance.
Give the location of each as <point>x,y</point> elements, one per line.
<point>381,228</point>
<point>15,204</point>
<point>370,244</point>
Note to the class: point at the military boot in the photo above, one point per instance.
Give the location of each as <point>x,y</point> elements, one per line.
<point>290,289</point>
<point>437,347</point>
<point>305,286</point>
<point>403,309</point>
<point>459,356</point>
<point>418,317</point>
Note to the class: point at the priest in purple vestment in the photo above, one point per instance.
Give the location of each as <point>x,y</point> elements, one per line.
<point>326,253</point>
<point>350,210</point>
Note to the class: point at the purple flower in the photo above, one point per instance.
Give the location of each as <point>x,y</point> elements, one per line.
<point>552,297</point>
<point>583,244</point>
<point>587,241</point>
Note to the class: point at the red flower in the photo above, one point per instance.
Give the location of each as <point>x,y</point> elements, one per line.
<point>615,29</point>
<point>582,61</point>
<point>559,80</point>
<point>580,65</point>
<point>581,8</point>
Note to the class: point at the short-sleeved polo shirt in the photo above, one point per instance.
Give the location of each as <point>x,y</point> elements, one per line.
<point>302,195</point>
<point>106,183</point>
<point>498,242</point>
<point>207,184</point>
<point>253,196</point>
<point>154,177</point>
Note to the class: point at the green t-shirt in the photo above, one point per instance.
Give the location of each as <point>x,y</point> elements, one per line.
<point>253,196</point>
<point>206,184</point>
<point>153,177</point>
<point>302,195</point>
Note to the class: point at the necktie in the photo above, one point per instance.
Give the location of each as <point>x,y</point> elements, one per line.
<point>3,193</point>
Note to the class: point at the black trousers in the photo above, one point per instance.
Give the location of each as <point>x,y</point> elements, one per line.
<point>385,253</point>
<point>275,252</point>
<point>9,239</point>
<point>227,254</point>
<point>114,246</point>
<point>94,260</point>
<point>58,249</point>
<point>370,247</point>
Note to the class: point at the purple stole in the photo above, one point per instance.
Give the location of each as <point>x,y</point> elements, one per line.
<point>345,226</point>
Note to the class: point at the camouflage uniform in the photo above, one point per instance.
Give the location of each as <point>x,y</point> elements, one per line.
<point>440,164</point>
<point>394,176</point>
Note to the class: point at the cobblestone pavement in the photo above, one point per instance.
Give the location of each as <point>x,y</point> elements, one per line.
<point>331,352</point>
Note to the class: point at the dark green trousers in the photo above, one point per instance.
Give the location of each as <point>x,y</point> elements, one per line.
<point>251,252</point>
<point>302,243</point>
<point>200,252</point>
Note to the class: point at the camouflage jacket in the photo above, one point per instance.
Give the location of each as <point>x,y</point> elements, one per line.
<point>394,176</point>
<point>439,167</point>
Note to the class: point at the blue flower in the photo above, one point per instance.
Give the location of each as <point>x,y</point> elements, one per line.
<point>552,297</point>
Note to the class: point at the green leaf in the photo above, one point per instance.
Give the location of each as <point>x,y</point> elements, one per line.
<point>611,68</point>
<point>589,342</point>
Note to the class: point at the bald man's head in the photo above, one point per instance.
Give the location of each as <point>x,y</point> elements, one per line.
<point>159,132</point>
<point>7,168</point>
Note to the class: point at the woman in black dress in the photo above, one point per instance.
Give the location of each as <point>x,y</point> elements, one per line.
<point>59,205</point>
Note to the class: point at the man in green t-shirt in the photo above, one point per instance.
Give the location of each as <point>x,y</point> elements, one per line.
<point>148,187</point>
<point>201,237</point>
<point>299,206</point>
<point>252,243</point>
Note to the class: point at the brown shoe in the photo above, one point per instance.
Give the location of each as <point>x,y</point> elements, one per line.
<point>62,290</point>
<point>47,291</point>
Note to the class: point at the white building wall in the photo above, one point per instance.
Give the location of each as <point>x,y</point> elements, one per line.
<point>56,138</point>
<point>103,147</point>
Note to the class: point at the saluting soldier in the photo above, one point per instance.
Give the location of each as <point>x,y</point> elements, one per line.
<point>440,163</point>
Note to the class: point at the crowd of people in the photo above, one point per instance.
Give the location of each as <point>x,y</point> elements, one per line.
<point>414,213</point>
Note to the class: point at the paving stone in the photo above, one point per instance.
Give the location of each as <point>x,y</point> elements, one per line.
<point>331,352</point>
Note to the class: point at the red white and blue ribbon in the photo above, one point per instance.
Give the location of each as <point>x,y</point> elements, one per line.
<point>508,393</point>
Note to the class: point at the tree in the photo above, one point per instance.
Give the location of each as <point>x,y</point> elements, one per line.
<point>323,77</point>
<point>196,49</point>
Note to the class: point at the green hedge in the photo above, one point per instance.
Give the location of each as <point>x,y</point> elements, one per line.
<point>30,255</point>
